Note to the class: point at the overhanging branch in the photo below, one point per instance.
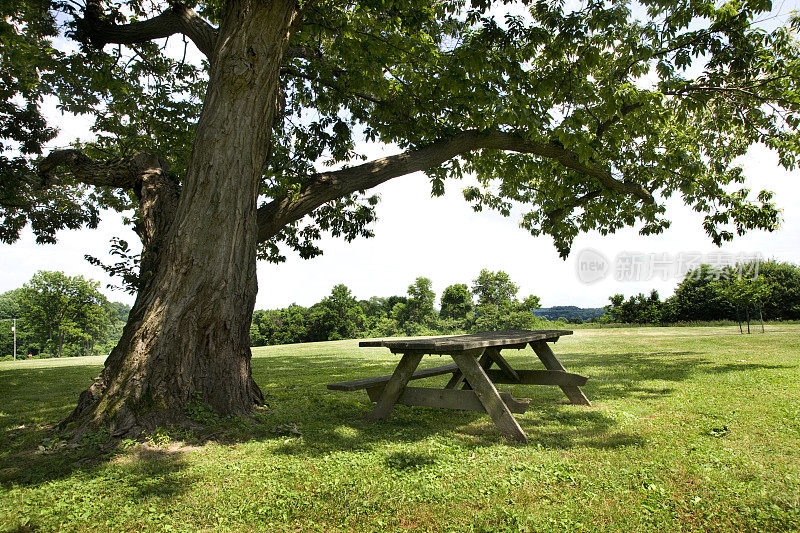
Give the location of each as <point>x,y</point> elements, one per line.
<point>121,173</point>
<point>580,201</point>
<point>324,187</point>
<point>177,19</point>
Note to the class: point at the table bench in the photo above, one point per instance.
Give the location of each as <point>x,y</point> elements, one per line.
<point>474,355</point>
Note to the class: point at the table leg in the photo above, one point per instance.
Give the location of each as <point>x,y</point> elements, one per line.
<point>455,381</point>
<point>548,358</point>
<point>458,376</point>
<point>489,397</point>
<point>395,386</point>
<point>485,361</point>
<point>494,354</point>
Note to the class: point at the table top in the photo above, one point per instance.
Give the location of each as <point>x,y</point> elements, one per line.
<point>467,342</point>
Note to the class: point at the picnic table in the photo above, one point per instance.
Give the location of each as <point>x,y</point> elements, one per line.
<point>473,356</point>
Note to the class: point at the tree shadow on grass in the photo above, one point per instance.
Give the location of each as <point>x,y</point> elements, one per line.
<point>140,472</point>
<point>335,421</point>
<point>745,367</point>
<point>632,374</point>
<point>33,453</point>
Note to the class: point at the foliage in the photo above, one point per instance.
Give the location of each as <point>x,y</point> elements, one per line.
<point>341,316</point>
<point>489,317</point>
<point>417,309</point>
<point>338,316</point>
<point>699,296</point>
<point>494,288</point>
<point>530,303</point>
<point>744,294</point>
<point>61,315</point>
<point>572,313</point>
<point>456,302</point>
<point>709,294</point>
<point>280,326</point>
<point>784,295</point>
<point>24,339</point>
<point>121,309</point>
<point>9,304</point>
<point>620,102</point>
<point>420,300</point>
<point>639,309</point>
<point>704,295</point>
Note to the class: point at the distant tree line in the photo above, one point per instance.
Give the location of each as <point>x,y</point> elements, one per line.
<point>745,292</point>
<point>571,314</point>
<point>59,315</point>
<point>490,303</point>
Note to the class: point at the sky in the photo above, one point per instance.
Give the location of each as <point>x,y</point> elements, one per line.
<point>444,240</point>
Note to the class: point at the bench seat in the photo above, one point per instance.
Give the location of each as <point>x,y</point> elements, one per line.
<point>368,383</point>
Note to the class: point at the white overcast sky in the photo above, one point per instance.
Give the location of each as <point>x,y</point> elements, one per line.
<point>442,239</point>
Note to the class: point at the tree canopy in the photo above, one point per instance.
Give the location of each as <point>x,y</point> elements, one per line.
<point>456,301</point>
<point>586,118</point>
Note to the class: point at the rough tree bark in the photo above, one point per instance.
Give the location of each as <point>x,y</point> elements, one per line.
<point>188,332</point>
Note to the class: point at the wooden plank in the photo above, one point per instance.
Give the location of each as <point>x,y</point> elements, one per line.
<point>394,387</point>
<point>485,361</point>
<point>489,397</point>
<point>551,362</point>
<point>457,343</point>
<point>464,400</point>
<point>520,346</point>
<point>539,377</point>
<point>455,381</point>
<point>494,353</point>
<point>365,383</point>
<point>371,343</point>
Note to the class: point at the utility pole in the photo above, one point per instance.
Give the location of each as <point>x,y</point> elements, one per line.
<point>14,331</point>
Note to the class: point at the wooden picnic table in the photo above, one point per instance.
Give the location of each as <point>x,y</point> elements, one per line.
<point>473,355</point>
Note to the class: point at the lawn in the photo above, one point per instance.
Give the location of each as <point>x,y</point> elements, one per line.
<point>691,429</point>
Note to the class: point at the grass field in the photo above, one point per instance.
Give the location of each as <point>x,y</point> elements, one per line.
<point>691,429</point>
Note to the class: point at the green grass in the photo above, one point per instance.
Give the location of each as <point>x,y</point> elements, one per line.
<point>691,429</point>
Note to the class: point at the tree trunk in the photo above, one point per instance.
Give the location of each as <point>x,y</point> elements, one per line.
<point>739,320</point>
<point>747,314</point>
<point>188,333</point>
<point>761,317</point>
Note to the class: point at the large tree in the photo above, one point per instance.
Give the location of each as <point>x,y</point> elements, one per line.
<point>61,309</point>
<point>587,117</point>
<point>456,302</point>
<point>495,288</point>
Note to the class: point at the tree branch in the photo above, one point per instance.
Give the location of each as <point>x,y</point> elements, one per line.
<point>603,126</point>
<point>303,52</point>
<point>569,206</point>
<point>177,19</point>
<point>119,173</point>
<point>293,72</point>
<point>324,187</point>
